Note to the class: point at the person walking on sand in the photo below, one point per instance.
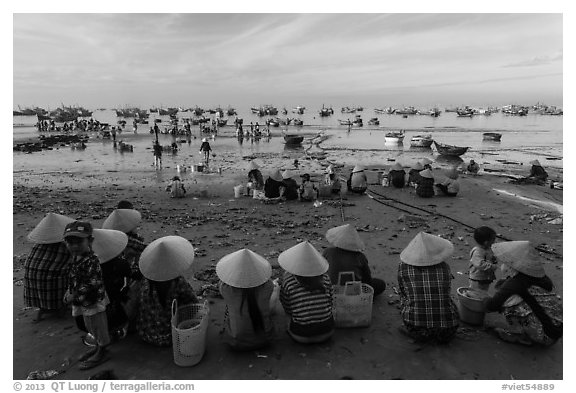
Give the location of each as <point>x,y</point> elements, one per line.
<point>86,291</point>
<point>206,149</point>
<point>157,155</point>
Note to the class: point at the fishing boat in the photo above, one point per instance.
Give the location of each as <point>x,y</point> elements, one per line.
<point>379,111</point>
<point>421,140</point>
<point>222,122</point>
<point>410,110</point>
<point>298,122</point>
<point>273,122</point>
<point>285,122</point>
<point>299,110</point>
<point>345,122</point>
<point>347,109</point>
<point>466,112</point>
<point>450,150</point>
<point>324,112</point>
<point>491,136</point>
<point>394,137</point>
<point>231,111</point>
<point>292,139</point>
<point>374,121</point>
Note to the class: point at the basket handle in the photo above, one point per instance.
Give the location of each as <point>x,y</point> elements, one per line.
<point>353,284</point>
<point>174,307</point>
<point>349,274</point>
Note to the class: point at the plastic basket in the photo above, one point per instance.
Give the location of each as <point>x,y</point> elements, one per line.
<point>189,327</point>
<point>352,306</point>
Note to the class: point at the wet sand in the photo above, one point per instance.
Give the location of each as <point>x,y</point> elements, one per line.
<point>217,224</point>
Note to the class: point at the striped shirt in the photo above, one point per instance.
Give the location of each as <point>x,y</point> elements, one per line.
<point>304,306</point>
<point>425,296</point>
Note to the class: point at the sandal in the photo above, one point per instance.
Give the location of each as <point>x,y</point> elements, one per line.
<point>94,362</point>
<point>87,355</point>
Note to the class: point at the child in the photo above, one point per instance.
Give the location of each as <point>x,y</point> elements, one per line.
<point>308,190</point>
<point>176,188</point>
<point>86,291</point>
<point>483,263</point>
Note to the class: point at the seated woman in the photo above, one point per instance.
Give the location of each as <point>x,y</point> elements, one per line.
<point>425,187</point>
<point>246,288</point>
<point>46,267</point>
<point>346,256</point>
<point>449,184</point>
<point>525,296</point>
<point>307,191</point>
<point>414,174</point>
<point>473,167</point>
<point>424,279</point>
<point>537,173</point>
<point>306,294</point>
<point>176,188</point>
<point>109,246</point>
<point>357,182</point>
<point>164,264</point>
<point>255,179</point>
<point>289,187</point>
<point>397,176</point>
<point>273,184</point>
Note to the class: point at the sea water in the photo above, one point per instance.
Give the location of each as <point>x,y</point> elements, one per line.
<point>524,138</point>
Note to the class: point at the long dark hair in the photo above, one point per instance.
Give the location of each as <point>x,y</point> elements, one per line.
<point>314,283</point>
<point>249,295</point>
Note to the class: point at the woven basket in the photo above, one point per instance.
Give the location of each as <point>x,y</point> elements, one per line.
<point>189,327</point>
<point>352,306</point>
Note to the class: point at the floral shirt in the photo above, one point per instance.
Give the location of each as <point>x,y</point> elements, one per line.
<point>86,282</point>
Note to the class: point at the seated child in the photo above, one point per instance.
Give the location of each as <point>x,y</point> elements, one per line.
<point>307,190</point>
<point>176,188</point>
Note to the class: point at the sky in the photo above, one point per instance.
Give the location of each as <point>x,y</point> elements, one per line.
<point>250,59</point>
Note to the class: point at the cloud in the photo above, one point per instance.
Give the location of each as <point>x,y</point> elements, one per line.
<point>536,61</point>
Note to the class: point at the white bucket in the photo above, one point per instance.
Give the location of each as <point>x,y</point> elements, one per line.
<point>238,191</point>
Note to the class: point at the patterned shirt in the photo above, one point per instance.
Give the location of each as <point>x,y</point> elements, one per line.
<point>425,296</point>
<point>154,318</point>
<point>86,282</point>
<point>481,264</point>
<point>304,306</point>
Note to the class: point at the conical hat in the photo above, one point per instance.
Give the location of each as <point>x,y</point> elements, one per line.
<point>345,237</point>
<point>253,166</point>
<point>358,168</point>
<point>535,162</point>
<point>108,243</point>
<point>426,161</point>
<point>519,255</point>
<point>397,167</point>
<point>124,220</point>
<point>426,173</point>
<point>286,174</point>
<point>50,229</point>
<point>418,166</point>
<point>243,269</point>
<point>275,175</point>
<point>426,250</point>
<point>166,258</point>
<point>303,260</point>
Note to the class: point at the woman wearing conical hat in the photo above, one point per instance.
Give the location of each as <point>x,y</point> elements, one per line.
<point>306,294</point>
<point>448,183</point>
<point>246,288</point>
<point>346,255</point>
<point>273,184</point>
<point>537,172</point>
<point>424,279</point>
<point>397,176</point>
<point>165,265</point>
<point>425,186</point>
<point>414,173</point>
<point>525,296</point>
<point>46,267</point>
<point>357,182</point>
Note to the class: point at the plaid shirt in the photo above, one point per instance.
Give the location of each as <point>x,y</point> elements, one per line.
<point>86,282</point>
<point>425,296</point>
<point>46,275</point>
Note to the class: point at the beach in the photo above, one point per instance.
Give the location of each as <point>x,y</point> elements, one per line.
<point>217,223</point>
